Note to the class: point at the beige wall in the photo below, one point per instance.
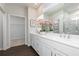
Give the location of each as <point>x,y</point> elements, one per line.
<point>40,10</point>
<point>32,13</point>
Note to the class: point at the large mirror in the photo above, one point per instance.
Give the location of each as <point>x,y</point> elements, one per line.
<point>65,18</point>
<point>71,18</point>
<point>55,14</point>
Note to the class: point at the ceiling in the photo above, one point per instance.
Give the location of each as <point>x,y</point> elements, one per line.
<point>53,8</point>
<point>70,7</point>
<point>67,6</point>
<point>35,5</point>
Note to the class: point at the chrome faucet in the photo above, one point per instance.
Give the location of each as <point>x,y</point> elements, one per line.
<point>68,36</point>
<point>65,35</point>
<point>60,35</point>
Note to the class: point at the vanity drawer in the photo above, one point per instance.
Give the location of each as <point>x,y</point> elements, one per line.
<point>58,53</point>
<point>66,49</point>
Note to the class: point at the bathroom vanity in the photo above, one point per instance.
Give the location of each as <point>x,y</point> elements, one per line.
<point>64,39</point>
<point>53,44</point>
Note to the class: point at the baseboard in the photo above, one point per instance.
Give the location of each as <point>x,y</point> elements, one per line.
<point>28,45</point>
<point>17,42</point>
<point>5,48</point>
<point>1,49</point>
<point>14,43</point>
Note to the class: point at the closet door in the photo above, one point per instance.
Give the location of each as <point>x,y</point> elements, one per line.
<point>1,30</point>
<point>17,30</point>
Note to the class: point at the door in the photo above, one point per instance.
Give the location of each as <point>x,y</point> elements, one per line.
<point>16,30</point>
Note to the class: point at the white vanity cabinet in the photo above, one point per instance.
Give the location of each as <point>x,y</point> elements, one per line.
<point>57,53</point>
<point>34,43</point>
<point>46,46</point>
<point>44,50</point>
<point>41,48</point>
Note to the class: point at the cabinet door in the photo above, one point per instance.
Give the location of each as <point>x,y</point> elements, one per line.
<point>32,40</point>
<point>59,53</point>
<point>44,50</point>
<point>35,45</point>
<point>56,52</point>
<point>53,52</point>
<point>40,47</point>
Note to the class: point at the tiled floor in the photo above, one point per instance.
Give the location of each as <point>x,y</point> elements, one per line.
<point>19,51</point>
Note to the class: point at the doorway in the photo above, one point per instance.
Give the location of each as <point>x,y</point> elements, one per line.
<point>16,29</point>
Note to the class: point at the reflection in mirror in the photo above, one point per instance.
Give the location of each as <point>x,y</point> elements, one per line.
<point>71,18</point>
<point>55,14</point>
<point>63,16</point>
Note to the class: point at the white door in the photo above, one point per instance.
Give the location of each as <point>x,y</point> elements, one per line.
<point>16,30</point>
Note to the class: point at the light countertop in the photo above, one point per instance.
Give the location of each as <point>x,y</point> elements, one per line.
<point>72,41</point>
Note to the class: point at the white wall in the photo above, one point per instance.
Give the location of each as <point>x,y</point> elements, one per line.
<point>1,30</point>
<point>15,10</point>
<point>32,14</point>
<point>2,12</point>
<point>40,10</point>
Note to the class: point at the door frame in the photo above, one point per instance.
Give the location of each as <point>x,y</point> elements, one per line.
<point>4,29</point>
<point>2,18</point>
<point>9,26</point>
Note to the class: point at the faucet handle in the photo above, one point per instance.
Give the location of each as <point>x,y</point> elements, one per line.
<point>64,35</point>
<point>60,35</point>
<point>68,36</point>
